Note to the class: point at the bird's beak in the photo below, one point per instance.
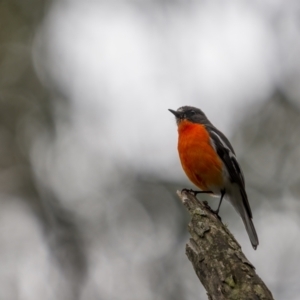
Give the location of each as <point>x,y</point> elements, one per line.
<point>175,113</point>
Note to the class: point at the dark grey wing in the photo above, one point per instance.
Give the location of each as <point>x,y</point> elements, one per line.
<point>226,153</point>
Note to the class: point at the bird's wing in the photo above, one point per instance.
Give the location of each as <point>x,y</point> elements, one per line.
<point>225,151</point>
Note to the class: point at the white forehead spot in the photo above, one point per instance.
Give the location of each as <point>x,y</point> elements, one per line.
<point>180,108</point>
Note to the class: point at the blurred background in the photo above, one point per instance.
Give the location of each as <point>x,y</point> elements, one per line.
<point>89,167</point>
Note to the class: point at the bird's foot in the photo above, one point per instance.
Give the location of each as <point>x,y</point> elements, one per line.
<point>190,191</point>
<point>195,193</point>
<point>215,212</point>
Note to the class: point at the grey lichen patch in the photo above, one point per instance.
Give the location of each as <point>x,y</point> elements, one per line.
<point>199,211</point>
<point>230,281</point>
<point>193,245</point>
<point>244,259</point>
<point>259,291</point>
<point>244,268</point>
<point>201,229</point>
<point>233,245</point>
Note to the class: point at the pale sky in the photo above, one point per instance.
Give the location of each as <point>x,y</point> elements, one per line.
<point>122,68</point>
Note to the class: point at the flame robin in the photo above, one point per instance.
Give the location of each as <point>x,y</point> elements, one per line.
<point>209,161</point>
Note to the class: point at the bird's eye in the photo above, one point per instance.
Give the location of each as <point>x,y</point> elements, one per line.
<point>192,112</point>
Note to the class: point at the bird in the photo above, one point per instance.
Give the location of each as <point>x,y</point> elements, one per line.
<point>209,161</point>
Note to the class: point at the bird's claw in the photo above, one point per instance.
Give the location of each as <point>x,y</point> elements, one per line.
<point>215,212</point>
<point>195,193</point>
<point>190,191</point>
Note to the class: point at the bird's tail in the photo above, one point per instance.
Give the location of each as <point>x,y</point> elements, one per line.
<point>250,229</point>
<point>240,202</point>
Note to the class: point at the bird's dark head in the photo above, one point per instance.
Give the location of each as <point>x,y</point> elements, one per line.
<point>189,113</point>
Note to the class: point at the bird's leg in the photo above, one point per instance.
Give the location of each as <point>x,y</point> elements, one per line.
<point>222,195</point>
<point>195,193</point>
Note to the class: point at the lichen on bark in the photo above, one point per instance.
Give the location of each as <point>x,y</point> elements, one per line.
<point>217,257</point>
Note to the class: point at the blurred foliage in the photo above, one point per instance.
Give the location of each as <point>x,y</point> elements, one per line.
<point>25,113</point>
<point>23,100</point>
<point>78,226</point>
<point>269,145</point>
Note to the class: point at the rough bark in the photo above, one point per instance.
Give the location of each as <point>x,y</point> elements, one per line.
<point>217,258</point>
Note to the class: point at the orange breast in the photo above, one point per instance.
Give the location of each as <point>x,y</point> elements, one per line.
<point>199,160</point>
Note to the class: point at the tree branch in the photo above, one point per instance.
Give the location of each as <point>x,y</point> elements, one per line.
<point>218,260</point>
